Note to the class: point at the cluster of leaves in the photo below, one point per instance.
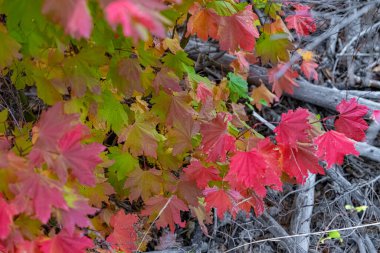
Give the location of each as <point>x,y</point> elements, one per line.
<point>171,139</point>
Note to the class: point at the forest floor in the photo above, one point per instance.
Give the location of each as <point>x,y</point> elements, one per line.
<point>325,214</point>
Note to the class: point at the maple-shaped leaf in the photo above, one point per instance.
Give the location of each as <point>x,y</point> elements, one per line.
<point>126,75</point>
<point>38,193</point>
<point>203,92</point>
<point>124,162</point>
<point>167,80</point>
<point>81,159</point>
<point>188,191</point>
<point>65,242</point>
<point>350,120</point>
<point>238,87</point>
<point>298,161</point>
<point>238,31</point>
<point>333,146</point>
<point>8,49</point>
<point>7,211</point>
<point>173,107</point>
<point>285,83</point>
<point>167,210</point>
<point>76,214</point>
<point>203,22</point>
<point>197,172</point>
<point>144,183</point>
<point>45,134</point>
<point>273,47</point>
<point>249,168</point>
<point>179,62</point>
<point>112,111</point>
<point>137,18</point>
<point>222,200</point>
<point>302,21</point>
<point>74,16</point>
<point>272,156</point>
<point>144,130</point>
<point>123,236</point>
<point>262,96</point>
<point>180,136</point>
<point>293,127</point>
<point>216,141</point>
<point>308,69</point>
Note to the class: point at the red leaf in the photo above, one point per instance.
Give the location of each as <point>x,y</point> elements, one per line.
<point>238,31</point>
<point>298,161</point>
<point>136,17</point>
<point>37,192</point>
<point>249,168</point>
<point>7,211</point>
<point>333,146</point>
<point>308,68</point>
<point>222,200</point>
<point>272,156</point>
<point>202,175</point>
<point>350,121</point>
<point>64,242</point>
<point>170,211</point>
<point>124,236</point>
<point>203,22</point>
<point>216,141</point>
<point>285,83</point>
<point>302,21</point>
<point>293,127</point>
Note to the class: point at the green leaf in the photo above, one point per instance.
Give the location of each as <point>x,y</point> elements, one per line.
<point>124,163</point>
<point>112,111</point>
<point>238,87</point>
<point>177,62</point>
<point>46,91</point>
<point>272,48</point>
<point>225,8</point>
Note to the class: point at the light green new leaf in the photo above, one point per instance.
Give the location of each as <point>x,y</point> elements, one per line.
<point>238,87</point>
<point>124,163</point>
<point>111,111</point>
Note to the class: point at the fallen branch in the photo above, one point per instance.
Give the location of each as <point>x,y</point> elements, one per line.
<point>304,203</point>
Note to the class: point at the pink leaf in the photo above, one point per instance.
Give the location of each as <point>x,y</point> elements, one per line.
<point>7,211</point>
<point>64,242</point>
<point>136,17</point>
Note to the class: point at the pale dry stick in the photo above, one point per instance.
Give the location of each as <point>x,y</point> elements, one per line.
<point>302,235</point>
<point>301,218</point>
<point>348,45</point>
<point>151,225</point>
<point>340,25</point>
